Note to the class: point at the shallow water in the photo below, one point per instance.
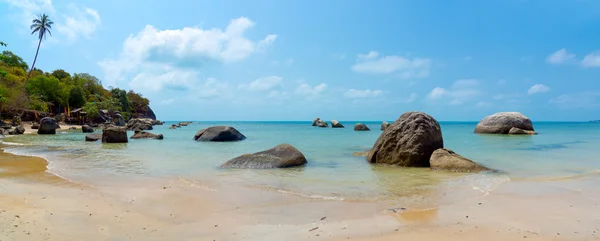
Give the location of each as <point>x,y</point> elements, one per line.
<point>560,151</point>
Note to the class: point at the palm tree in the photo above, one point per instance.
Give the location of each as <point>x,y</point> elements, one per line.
<point>42,26</point>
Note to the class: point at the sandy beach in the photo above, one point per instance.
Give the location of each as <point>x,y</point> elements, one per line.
<point>37,205</point>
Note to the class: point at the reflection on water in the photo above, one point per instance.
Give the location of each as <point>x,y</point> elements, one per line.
<point>332,172</point>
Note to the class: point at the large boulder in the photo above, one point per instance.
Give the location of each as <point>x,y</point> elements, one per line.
<point>316,121</point>
<point>118,119</point>
<point>446,160</point>
<point>322,124</point>
<point>114,134</point>
<point>219,134</point>
<point>361,127</point>
<point>384,125</point>
<point>519,131</point>
<point>93,137</point>
<point>157,123</point>
<point>281,156</point>
<point>336,124</point>
<point>408,142</point>
<point>502,122</point>
<point>87,129</point>
<point>147,135</point>
<point>47,126</point>
<point>140,124</point>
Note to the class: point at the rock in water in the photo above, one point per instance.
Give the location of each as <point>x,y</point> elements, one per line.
<point>316,121</point>
<point>281,156</point>
<point>336,124</point>
<point>173,126</point>
<point>147,135</point>
<point>35,126</point>
<point>446,160</point>
<point>143,124</point>
<point>118,119</point>
<point>87,129</point>
<point>93,137</point>
<point>519,131</point>
<point>114,134</point>
<point>384,125</point>
<point>322,124</point>
<point>361,127</point>
<point>408,142</point>
<point>47,126</point>
<point>502,122</point>
<point>19,130</point>
<point>219,133</point>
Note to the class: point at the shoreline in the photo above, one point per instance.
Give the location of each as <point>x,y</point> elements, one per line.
<point>52,208</point>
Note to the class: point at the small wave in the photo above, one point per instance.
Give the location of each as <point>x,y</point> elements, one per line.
<point>484,182</point>
<point>196,184</point>
<point>312,196</point>
<point>11,143</point>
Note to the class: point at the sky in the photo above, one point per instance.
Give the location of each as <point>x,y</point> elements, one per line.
<point>338,59</point>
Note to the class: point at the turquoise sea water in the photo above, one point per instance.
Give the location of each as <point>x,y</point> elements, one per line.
<point>561,150</point>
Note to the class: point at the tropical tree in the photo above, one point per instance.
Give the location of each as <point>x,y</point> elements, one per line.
<point>42,26</point>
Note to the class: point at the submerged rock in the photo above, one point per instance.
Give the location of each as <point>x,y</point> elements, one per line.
<point>147,135</point>
<point>360,153</point>
<point>361,127</point>
<point>502,122</point>
<point>219,133</point>
<point>446,160</point>
<point>519,131</point>
<point>47,126</point>
<point>87,129</point>
<point>93,137</point>
<point>281,156</point>
<point>173,126</point>
<point>336,124</point>
<point>114,134</point>
<point>384,125</point>
<point>408,142</point>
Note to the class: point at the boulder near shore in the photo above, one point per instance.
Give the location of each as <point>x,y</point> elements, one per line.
<point>219,134</point>
<point>87,129</point>
<point>93,137</point>
<point>336,124</point>
<point>141,124</point>
<point>114,134</point>
<point>147,135</point>
<point>503,122</point>
<point>447,160</point>
<point>361,127</point>
<point>281,156</point>
<point>408,142</point>
<point>47,126</point>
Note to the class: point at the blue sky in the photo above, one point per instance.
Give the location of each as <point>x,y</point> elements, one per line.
<point>346,60</point>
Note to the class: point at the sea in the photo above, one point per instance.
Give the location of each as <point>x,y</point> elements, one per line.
<point>561,151</point>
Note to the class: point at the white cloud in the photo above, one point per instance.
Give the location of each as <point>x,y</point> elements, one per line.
<point>459,92</point>
<point>158,77</point>
<point>591,60</point>
<point>81,21</point>
<point>266,41</point>
<point>354,93</point>
<point>265,83</point>
<point>538,88</point>
<point>373,63</point>
<point>559,57</point>
<point>185,48</point>
<point>307,90</point>
<point>213,88</point>
<point>30,8</point>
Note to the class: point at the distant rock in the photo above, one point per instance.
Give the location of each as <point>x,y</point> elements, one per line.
<point>361,127</point>
<point>93,137</point>
<point>147,135</point>
<point>219,134</point>
<point>408,142</point>
<point>140,124</point>
<point>518,131</point>
<point>316,121</point>
<point>173,126</point>
<point>35,126</point>
<point>446,160</point>
<point>186,123</point>
<point>384,125</point>
<point>322,124</point>
<point>47,126</point>
<point>502,122</point>
<point>336,124</point>
<point>281,156</point>
<point>114,134</point>
<point>87,129</point>
<point>19,130</point>
<point>157,123</point>
<point>118,119</point>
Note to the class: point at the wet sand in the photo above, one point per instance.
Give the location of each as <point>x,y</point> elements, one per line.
<point>36,205</point>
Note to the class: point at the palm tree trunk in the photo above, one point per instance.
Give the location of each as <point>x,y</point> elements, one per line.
<point>33,65</point>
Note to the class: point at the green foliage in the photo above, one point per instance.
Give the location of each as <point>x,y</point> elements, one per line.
<point>49,89</point>
<point>37,103</point>
<point>91,109</point>
<point>138,102</point>
<point>13,60</point>
<point>121,96</point>
<point>61,74</point>
<point>3,73</point>
<point>76,98</point>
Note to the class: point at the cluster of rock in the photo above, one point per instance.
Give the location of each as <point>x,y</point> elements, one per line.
<point>180,124</point>
<point>319,123</point>
<point>146,135</point>
<point>118,134</point>
<point>505,123</point>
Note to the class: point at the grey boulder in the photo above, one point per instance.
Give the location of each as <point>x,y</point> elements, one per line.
<point>219,134</point>
<point>502,122</point>
<point>384,125</point>
<point>114,134</point>
<point>281,156</point>
<point>47,126</point>
<point>87,129</point>
<point>446,160</point>
<point>519,131</point>
<point>93,137</point>
<point>147,135</point>
<point>336,124</point>
<point>361,127</point>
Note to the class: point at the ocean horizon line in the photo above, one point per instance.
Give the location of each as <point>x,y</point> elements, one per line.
<point>373,121</point>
